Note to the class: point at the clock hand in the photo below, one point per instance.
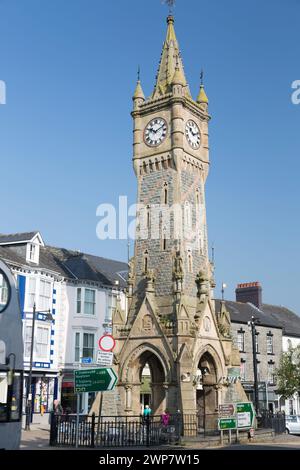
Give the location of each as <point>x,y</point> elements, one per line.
<point>159,128</point>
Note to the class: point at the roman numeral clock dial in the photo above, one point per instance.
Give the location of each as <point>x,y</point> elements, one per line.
<point>192,134</point>
<point>155,132</point>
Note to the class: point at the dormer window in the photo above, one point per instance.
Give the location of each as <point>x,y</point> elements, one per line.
<point>32,253</point>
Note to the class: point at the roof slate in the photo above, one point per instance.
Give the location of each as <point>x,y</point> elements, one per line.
<point>242,313</point>
<point>72,265</point>
<point>17,237</point>
<point>289,320</point>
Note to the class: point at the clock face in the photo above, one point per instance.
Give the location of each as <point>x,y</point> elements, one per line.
<point>192,133</point>
<point>155,132</point>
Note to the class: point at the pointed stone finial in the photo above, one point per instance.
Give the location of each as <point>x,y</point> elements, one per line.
<point>138,92</point>
<point>178,77</point>
<point>202,97</point>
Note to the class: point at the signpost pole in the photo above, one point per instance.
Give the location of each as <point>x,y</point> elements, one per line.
<point>229,436</point>
<point>99,417</point>
<point>77,421</point>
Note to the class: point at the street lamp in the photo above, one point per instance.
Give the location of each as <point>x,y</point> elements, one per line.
<point>251,325</point>
<point>223,289</point>
<point>28,408</point>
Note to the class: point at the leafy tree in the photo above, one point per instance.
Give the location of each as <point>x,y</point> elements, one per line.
<point>288,373</point>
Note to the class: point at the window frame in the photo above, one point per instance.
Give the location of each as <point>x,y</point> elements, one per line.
<point>271,373</point>
<point>28,337</point>
<point>87,334</point>
<point>241,333</point>
<point>46,345</point>
<point>88,302</point>
<point>43,304</point>
<point>82,302</point>
<point>77,347</point>
<point>270,338</point>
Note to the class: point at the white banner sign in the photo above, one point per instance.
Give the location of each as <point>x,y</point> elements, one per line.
<point>105,358</point>
<point>244,420</point>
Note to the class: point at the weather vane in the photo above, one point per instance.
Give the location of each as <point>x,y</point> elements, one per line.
<point>201,77</point>
<point>170,4</point>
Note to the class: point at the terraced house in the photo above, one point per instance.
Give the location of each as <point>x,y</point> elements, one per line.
<point>80,291</point>
<point>277,328</point>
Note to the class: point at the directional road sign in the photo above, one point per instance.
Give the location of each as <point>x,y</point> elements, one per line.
<point>245,415</point>
<point>94,380</point>
<point>227,410</point>
<point>227,423</point>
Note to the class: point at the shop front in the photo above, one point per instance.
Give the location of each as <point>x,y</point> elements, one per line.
<point>44,389</point>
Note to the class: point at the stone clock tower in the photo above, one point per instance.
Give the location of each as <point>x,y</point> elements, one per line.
<point>171,328</point>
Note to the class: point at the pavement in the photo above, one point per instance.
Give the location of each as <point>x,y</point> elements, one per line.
<point>279,442</point>
<point>36,438</point>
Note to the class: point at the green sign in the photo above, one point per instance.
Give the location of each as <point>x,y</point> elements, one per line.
<point>94,380</point>
<point>245,415</point>
<point>229,423</point>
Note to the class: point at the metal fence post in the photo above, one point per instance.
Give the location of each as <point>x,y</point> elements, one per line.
<point>93,430</point>
<point>53,430</point>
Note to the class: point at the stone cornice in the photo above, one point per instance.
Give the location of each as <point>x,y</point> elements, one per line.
<point>153,105</point>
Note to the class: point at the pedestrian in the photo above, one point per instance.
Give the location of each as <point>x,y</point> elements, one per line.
<point>165,418</point>
<point>55,421</point>
<point>147,413</point>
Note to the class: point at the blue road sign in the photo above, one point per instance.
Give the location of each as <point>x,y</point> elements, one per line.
<point>86,360</point>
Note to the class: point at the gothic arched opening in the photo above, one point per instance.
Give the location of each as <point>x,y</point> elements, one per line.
<point>149,377</point>
<point>206,393</point>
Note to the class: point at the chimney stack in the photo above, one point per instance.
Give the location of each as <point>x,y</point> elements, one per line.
<point>249,292</point>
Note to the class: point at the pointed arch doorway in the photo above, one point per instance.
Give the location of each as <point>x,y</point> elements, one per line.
<point>148,376</point>
<point>207,394</point>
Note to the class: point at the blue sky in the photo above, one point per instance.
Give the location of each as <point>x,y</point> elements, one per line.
<point>66,132</point>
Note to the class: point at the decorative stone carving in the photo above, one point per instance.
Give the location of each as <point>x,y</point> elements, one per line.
<point>178,266</point>
<point>224,322</point>
<point>150,280</point>
<point>202,283</point>
<point>212,281</point>
<point>147,323</point>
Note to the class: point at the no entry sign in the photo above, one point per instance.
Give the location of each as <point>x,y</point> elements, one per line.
<point>106,343</point>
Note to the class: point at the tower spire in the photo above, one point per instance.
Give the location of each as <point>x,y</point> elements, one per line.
<point>170,60</point>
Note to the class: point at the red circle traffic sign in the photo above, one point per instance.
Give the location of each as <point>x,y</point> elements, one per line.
<point>107,343</point>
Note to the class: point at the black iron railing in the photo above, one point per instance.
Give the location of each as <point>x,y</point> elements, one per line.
<point>200,424</point>
<point>275,421</point>
<point>113,431</point>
